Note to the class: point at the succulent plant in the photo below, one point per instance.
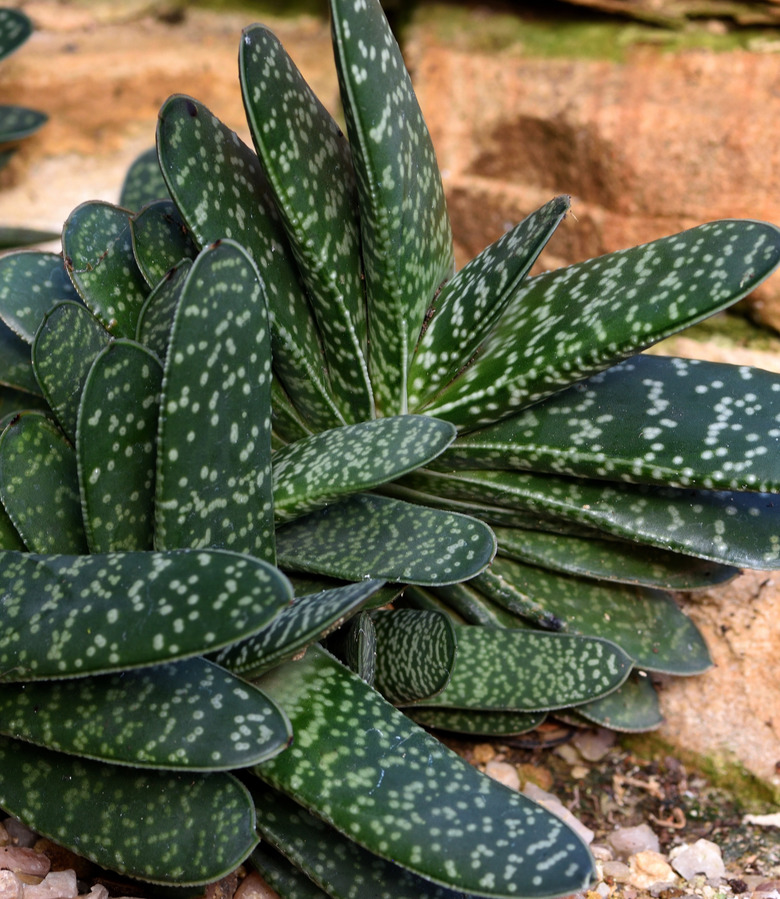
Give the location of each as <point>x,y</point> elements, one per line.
<point>282,492</point>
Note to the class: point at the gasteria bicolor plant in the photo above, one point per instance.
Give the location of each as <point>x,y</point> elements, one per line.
<point>260,447</point>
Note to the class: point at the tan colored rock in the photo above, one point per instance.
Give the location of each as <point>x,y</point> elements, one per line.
<point>648,868</point>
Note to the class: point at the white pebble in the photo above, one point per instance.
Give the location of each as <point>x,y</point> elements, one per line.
<point>701,857</point>
<point>504,773</point>
<point>626,841</point>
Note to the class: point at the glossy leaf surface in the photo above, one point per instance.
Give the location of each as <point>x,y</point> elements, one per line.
<point>282,876</point>
<point>94,809</point>
<point>144,182</point>
<point>476,722</point>
<point>402,771</point>
<point>15,28</point>
<point>152,608</point>
<point>160,240</point>
<point>632,708</point>
<point>156,317</point>
<point>15,363</point>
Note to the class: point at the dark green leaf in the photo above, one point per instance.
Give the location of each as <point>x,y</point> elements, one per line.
<point>65,347</point>
<point>39,485</point>
<point>214,450</point>
<point>16,363</point>
<point>116,447</point>
<point>309,167</point>
<point>360,647</point>
<point>472,606</point>
<point>405,230</point>
<point>288,425</point>
<point>312,473</point>
<point>160,240</point>
<point>14,237</point>
<point>15,28</point>
<point>477,723</point>
<point>91,614</point>
<point>144,182</point>
<point>98,247</point>
<point>16,122</point>
<point>289,882</point>
<point>12,402</point>
<point>156,318</point>
<point>469,305</point>
<point>203,161</point>
<point>573,322</point>
<point>633,707</point>
<point>410,799</point>
<point>368,536</point>
<point>191,714</point>
<point>31,284</point>
<point>165,827</point>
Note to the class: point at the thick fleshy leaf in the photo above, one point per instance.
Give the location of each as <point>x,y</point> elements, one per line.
<point>31,284</point>
<point>470,303</point>
<point>360,647</point>
<point>646,624</point>
<point>611,560</point>
<point>314,472</point>
<point>652,420</point>
<point>477,723</point>
<point>16,368</point>
<point>116,447</point>
<point>288,425</point>
<point>632,708</point>
<point>342,868</point>
<point>460,602</point>
<point>70,615</point>
<point>213,483</point>
<point>65,347</point>
<point>410,799</point>
<point>308,619</point>
<point>368,536</point>
<point>13,238</point>
<point>17,122</point>
<point>203,161</point>
<point>13,401</point>
<point>400,192</point>
<point>95,810</point>
<point>740,529</point>
<point>144,182</point>
<point>160,240</point>
<point>309,167</point>
<point>571,323</point>
<point>39,485</point>
<point>415,654</point>
<point>9,536</point>
<point>98,250</point>
<point>15,28</point>
<point>282,876</point>
<point>191,714</point>
<point>156,317</point>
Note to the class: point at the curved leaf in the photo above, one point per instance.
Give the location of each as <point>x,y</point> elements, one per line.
<point>160,240</point>
<point>478,723</point>
<point>15,28</point>
<point>282,876</point>
<point>632,708</point>
<point>17,122</point>
<point>144,182</point>
<point>156,317</point>
<point>16,368</point>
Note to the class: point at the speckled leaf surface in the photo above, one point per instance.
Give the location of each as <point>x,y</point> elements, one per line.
<point>31,283</point>
<point>573,322</point>
<point>70,615</point>
<point>342,868</point>
<point>288,881</point>
<point>651,419</point>
<point>39,485</point>
<point>632,708</point>
<point>471,302</point>
<point>98,250</point>
<point>477,723</point>
<point>287,423</point>
<point>397,542</point>
<point>202,161</point>
<point>415,654</point>
<point>213,484</point>
<point>314,472</point>
<point>731,528</point>
<point>68,340</point>
<point>409,798</point>
<point>144,182</point>
<point>461,602</point>
<point>9,536</point>
<point>646,624</point>
<point>156,317</point>
<point>360,647</point>
<point>308,619</point>
<point>95,810</point>
<point>611,560</point>
<point>116,447</point>
<point>15,28</point>
<point>160,239</point>
<point>529,671</point>
<point>17,122</point>
<point>16,363</point>
<point>503,592</point>
<point>191,714</point>
<point>309,167</point>
<point>400,191</point>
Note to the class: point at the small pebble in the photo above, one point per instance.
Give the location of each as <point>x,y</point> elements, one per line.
<point>19,834</point>
<point>24,861</point>
<point>504,773</point>
<point>618,872</point>
<point>702,857</point>
<point>56,885</point>
<point>535,774</point>
<point>626,841</point>
<point>648,868</point>
<point>253,886</point>
<point>601,852</point>
<point>483,753</point>
<point>594,745</point>
<point>10,886</point>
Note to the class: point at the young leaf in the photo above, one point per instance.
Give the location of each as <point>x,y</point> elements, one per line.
<point>15,28</point>
<point>116,447</point>
<point>191,715</point>
<point>309,167</point>
<point>214,447</point>
<point>471,302</point>
<point>160,240</point>
<point>573,322</point>
<point>632,708</point>
<point>144,182</point>
<point>314,472</point>
<point>410,799</point>
<point>151,608</point>
<point>98,249</point>
<point>367,536</point>
<point>400,191</point>
<point>39,485</point>
<point>95,810</point>
<point>156,317</point>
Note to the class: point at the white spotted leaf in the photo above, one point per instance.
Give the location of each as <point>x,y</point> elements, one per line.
<point>18,122</point>
<point>144,182</point>
<point>15,28</point>
<point>16,369</point>
<point>156,317</point>
<point>282,876</point>
<point>160,240</point>
<point>528,853</point>
<point>478,723</point>
<point>633,708</point>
